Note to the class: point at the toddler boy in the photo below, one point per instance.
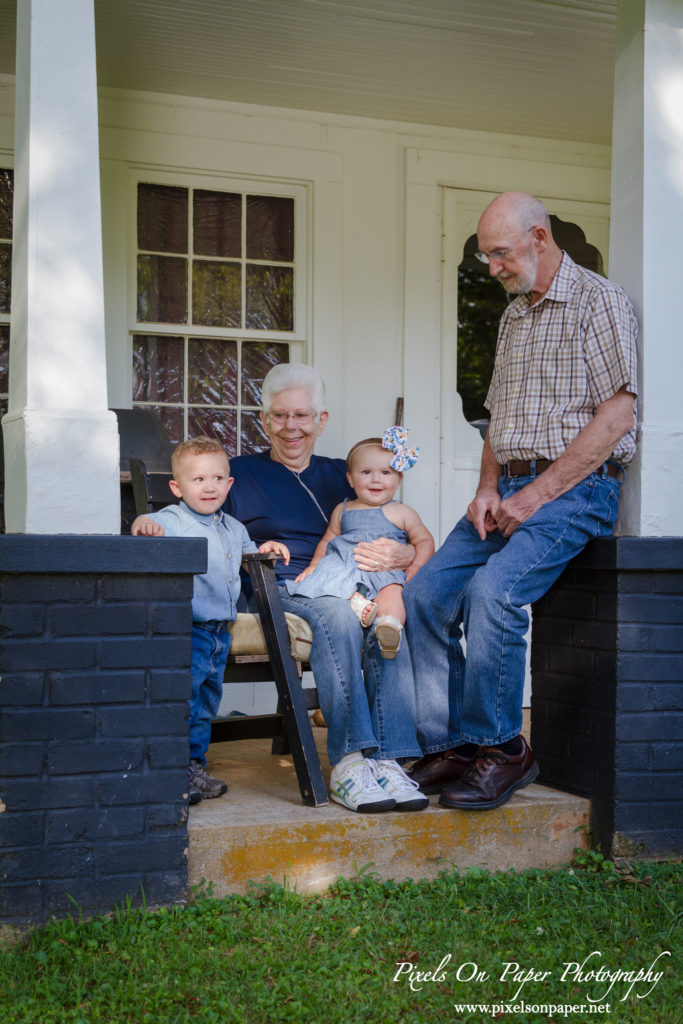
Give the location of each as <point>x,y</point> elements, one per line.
<point>201,479</point>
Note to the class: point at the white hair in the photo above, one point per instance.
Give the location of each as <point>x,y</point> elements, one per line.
<point>288,376</point>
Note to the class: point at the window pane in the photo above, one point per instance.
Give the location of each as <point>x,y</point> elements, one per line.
<point>270,228</point>
<point>216,294</point>
<point>218,423</point>
<point>4,360</point>
<point>173,421</point>
<point>217,224</point>
<point>162,218</point>
<point>212,372</point>
<point>481,302</point>
<point>162,290</point>
<point>6,194</point>
<point>253,436</point>
<point>157,369</point>
<point>257,358</point>
<point>269,298</point>
<point>5,277</point>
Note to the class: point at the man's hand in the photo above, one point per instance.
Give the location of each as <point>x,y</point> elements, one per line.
<point>383,555</point>
<point>483,511</point>
<point>515,510</point>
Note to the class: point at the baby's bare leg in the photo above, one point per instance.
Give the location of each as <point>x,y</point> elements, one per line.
<point>389,601</point>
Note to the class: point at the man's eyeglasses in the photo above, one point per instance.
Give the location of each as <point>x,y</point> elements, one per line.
<point>280,418</point>
<point>502,254</point>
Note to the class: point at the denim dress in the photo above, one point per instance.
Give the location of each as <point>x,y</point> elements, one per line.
<point>337,573</point>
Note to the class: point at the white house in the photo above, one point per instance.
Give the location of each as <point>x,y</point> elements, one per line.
<point>193,189</point>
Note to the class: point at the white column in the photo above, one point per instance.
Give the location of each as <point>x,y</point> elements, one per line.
<point>61,442</point>
<point>646,233</point>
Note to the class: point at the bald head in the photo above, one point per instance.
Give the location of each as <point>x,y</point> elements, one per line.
<point>516,211</point>
<point>514,232</point>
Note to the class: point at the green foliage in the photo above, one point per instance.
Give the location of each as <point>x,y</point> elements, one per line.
<point>481,301</point>
<point>276,956</point>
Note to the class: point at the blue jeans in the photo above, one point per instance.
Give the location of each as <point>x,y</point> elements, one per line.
<point>210,647</point>
<point>368,705</point>
<point>480,588</point>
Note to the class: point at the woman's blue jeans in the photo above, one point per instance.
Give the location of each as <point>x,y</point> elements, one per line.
<point>210,648</point>
<point>480,588</point>
<point>368,705</point>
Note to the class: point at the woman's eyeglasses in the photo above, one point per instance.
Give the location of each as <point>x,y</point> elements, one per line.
<point>280,418</point>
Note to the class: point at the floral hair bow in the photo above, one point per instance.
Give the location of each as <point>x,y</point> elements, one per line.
<point>395,439</point>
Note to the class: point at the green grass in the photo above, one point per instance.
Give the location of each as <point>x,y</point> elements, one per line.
<point>275,956</point>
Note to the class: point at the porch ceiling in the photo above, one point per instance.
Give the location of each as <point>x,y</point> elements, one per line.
<point>533,67</point>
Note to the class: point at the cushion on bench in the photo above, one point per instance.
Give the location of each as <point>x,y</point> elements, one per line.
<point>248,638</point>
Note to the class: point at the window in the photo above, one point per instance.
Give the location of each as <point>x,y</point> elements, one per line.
<point>6,198</point>
<point>217,301</point>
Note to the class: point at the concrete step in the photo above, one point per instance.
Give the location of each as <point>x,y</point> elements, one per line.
<point>260,829</point>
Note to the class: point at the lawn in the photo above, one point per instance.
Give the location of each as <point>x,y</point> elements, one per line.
<point>473,946</point>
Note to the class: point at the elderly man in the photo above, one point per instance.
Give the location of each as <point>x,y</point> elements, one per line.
<point>562,431</point>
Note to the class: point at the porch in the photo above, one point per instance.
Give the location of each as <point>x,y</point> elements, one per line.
<point>260,829</point>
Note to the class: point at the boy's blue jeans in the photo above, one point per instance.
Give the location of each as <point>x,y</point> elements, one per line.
<point>480,588</point>
<point>210,648</point>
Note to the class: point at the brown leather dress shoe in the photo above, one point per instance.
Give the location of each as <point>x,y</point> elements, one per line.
<point>491,779</point>
<point>434,771</point>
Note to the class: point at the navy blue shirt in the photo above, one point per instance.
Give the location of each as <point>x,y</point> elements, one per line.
<point>273,503</point>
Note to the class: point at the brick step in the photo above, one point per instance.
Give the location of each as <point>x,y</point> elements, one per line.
<point>259,829</point>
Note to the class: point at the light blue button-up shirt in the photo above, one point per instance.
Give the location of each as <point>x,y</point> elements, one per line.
<point>216,590</point>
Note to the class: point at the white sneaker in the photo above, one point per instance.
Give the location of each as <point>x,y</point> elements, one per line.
<point>352,784</point>
<point>395,783</point>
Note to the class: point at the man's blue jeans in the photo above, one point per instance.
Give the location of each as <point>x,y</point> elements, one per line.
<point>210,647</point>
<point>368,706</point>
<point>480,587</point>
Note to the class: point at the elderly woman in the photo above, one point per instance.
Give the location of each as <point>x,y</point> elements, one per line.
<point>287,493</point>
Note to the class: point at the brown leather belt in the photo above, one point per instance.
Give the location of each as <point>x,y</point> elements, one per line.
<point>525,467</point>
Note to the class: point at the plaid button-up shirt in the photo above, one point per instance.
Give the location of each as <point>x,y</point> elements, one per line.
<point>557,361</point>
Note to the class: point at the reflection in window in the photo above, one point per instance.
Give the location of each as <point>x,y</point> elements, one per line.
<point>223,263</point>
<point>270,228</point>
<point>6,206</point>
<point>481,302</point>
<point>162,289</point>
<point>4,367</point>
<point>217,294</point>
<point>211,257</point>
<point>217,223</point>
<point>162,218</point>
<point>6,201</point>
<point>269,298</point>
<point>205,386</point>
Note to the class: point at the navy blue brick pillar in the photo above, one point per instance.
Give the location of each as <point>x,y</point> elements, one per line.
<point>95,649</point>
<point>607,690</point>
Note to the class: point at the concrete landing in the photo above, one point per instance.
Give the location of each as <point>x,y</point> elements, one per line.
<point>260,830</point>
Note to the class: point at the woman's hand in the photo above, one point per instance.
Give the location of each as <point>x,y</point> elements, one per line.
<point>306,572</point>
<point>383,555</point>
